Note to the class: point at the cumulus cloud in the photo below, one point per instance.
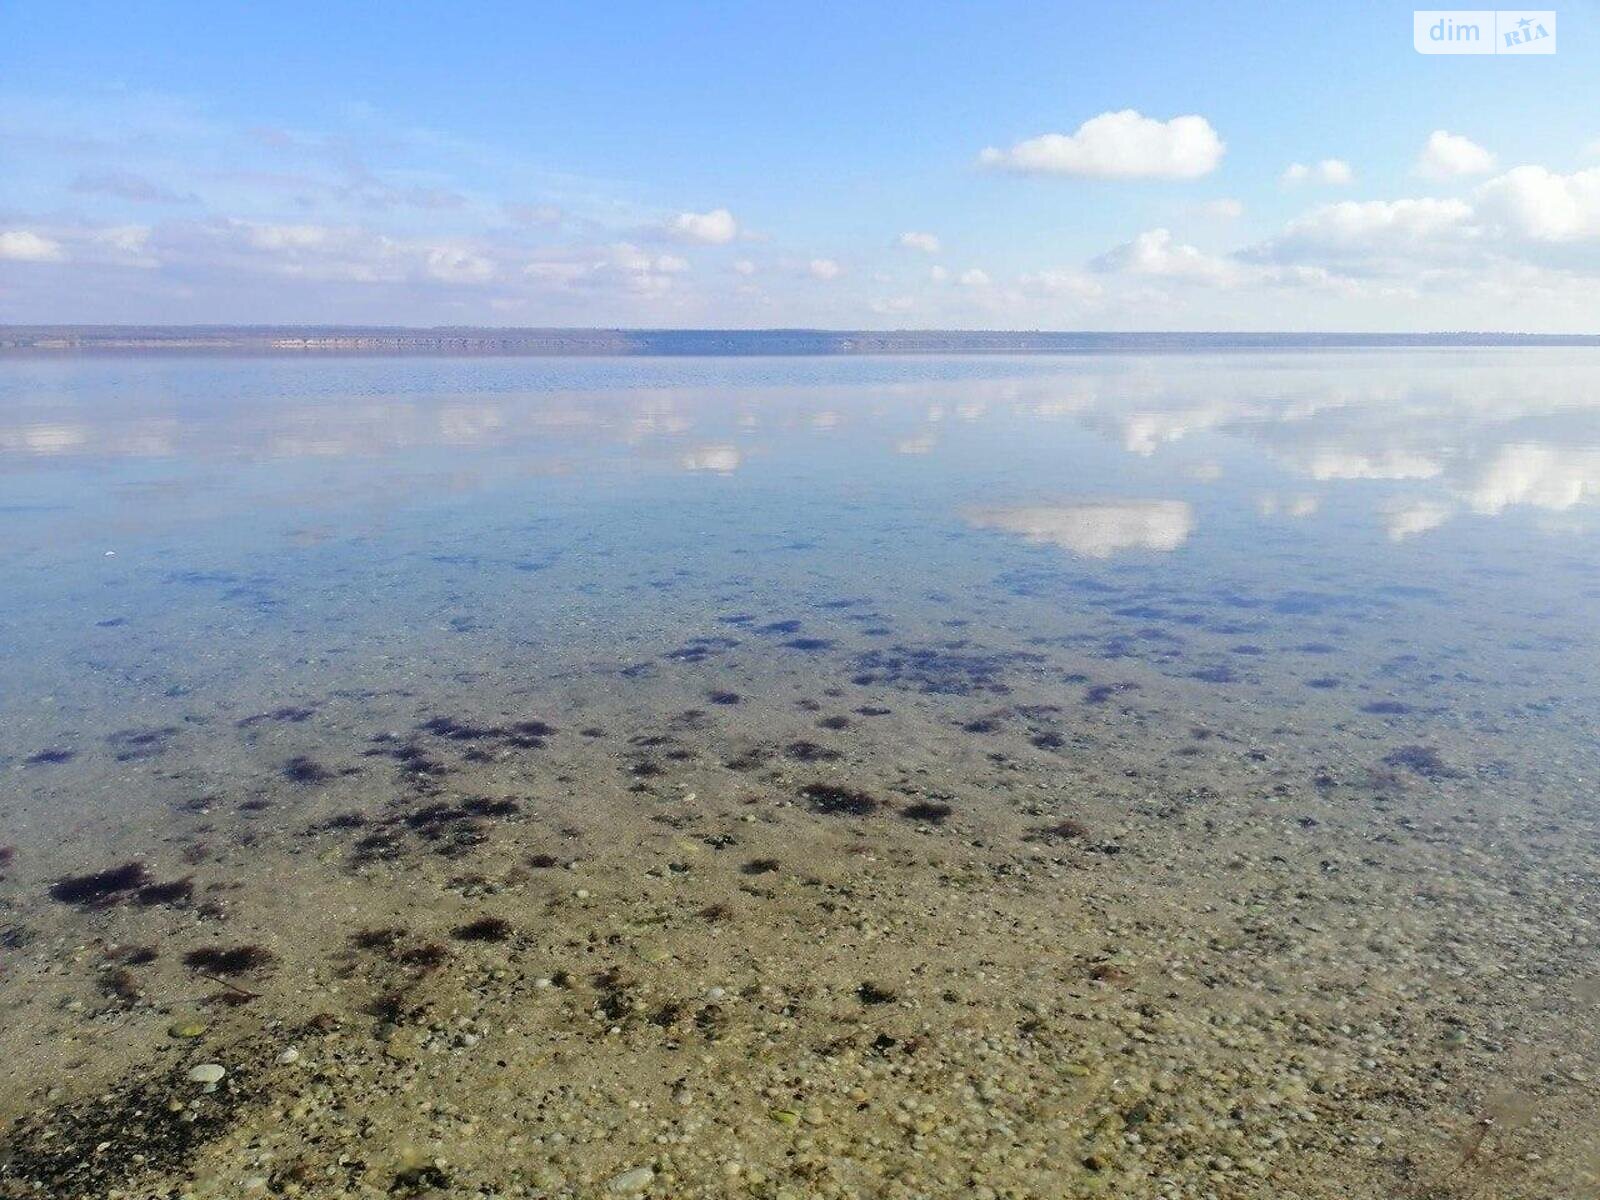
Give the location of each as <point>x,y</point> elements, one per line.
<point>974,277</point>
<point>1155,253</point>
<point>1408,518</point>
<point>1117,145</point>
<point>1446,155</point>
<point>744,266</point>
<point>928,243</point>
<point>714,228</point>
<point>1094,529</point>
<point>823,268</point>
<point>1540,205</point>
<point>1541,476</point>
<point>720,458</point>
<point>23,245</point>
<point>1333,172</point>
<point>938,274</point>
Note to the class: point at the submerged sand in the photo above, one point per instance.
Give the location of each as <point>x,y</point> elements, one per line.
<point>752,918</point>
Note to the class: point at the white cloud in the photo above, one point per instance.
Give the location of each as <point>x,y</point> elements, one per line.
<point>1449,154</point>
<point>928,243</point>
<point>714,228</point>
<point>1542,476</point>
<point>974,278</point>
<point>744,267</point>
<point>22,245</point>
<point>1407,519</point>
<point>1117,145</point>
<point>1369,234</point>
<point>1225,209</point>
<point>1334,172</point>
<point>823,268</point>
<point>1095,529</point>
<point>1535,203</point>
<point>457,264</point>
<point>1154,253</point>
<point>892,305</point>
<point>938,274</point>
<point>718,457</point>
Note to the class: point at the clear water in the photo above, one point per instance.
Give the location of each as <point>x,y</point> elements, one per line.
<point>1349,600</point>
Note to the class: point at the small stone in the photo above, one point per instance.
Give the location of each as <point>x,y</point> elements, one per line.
<point>207,1073</point>
<point>631,1182</point>
<point>187,1029</point>
<point>288,1056</point>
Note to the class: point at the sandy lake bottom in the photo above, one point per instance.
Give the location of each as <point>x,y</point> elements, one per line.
<point>1164,776</point>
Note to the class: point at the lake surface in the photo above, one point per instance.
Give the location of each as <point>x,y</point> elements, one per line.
<point>1152,775</point>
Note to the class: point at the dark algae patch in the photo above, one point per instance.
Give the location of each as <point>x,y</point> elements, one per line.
<point>484,929</point>
<point>100,887</point>
<point>230,960</point>
<point>108,1145</point>
<point>1421,760</point>
<point>832,800</point>
<point>928,812</point>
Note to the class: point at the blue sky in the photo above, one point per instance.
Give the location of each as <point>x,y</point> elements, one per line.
<point>757,165</point>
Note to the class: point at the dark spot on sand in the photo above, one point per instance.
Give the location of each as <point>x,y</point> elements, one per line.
<point>1422,760</point>
<point>723,697</point>
<point>760,866</point>
<point>872,993</point>
<point>804,751</point>
<point>178,892</point>
<point>130,745</point>
<point>833,800</point>
<point>484,929</point>
<point>100,887</point>
<point>303,770</point>
<point>1386,708</point>
<point>809,645</point>
<point>928,812</point>
<point>790,626</point>
<point>377,939</point>
<point>293,714</point>
<point>51,757</point>
<point>1062,831</point>
<point>230,960</point>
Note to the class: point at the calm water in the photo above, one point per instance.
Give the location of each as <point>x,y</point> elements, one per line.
<point>1338,596</point>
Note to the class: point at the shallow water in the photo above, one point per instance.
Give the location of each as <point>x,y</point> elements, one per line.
<point>1162,775</point>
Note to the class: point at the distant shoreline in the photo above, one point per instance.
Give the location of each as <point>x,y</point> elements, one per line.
<point>337,340</point>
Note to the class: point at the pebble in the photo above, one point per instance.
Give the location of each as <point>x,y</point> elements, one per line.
<point>631,1182</point>
<point>207,1073</point>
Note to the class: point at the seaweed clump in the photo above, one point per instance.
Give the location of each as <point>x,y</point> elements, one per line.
<point>929,812</point>
<point>229,960</point>
<point>484,929</point>
<point>832,800</point>
<point>100,888</point>
<point>1421,760</point>
<point>140,1130</point>
<point>178,892</point>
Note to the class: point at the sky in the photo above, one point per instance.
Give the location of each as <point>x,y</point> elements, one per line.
<point>1215,166</point>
